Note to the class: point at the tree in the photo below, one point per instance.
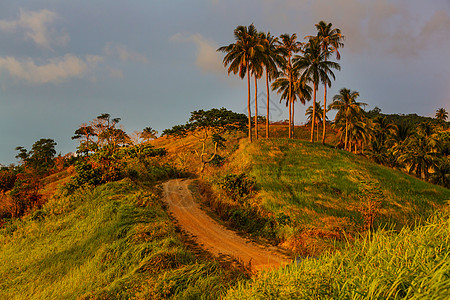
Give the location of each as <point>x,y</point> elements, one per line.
<point>40,157</point>
<point>272,59</point>
<point>419,155</point>
<point>297,89</point>
<point>316,68</point>
<point>148,134</point>
<point>86,135</point>
<point>318,114</point>
<point>441,174</point>
<point>239,56</point>
<point>441,114</point>
<point>208,127</point>
<point>330,41</point>
<point>287,47</point>
<point>348,108</point>
<point>101,125</point>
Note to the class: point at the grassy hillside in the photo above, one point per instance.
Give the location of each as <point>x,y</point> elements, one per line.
<point>312,196</point>
<point>112,242</point>
<point>413,264</point>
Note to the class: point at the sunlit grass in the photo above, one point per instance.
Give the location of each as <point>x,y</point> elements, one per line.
<point>111,242</point>
<point>413,264</point>
<point>321,189</point>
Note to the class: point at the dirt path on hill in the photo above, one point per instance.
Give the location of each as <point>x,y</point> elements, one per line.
<point>212,236</point>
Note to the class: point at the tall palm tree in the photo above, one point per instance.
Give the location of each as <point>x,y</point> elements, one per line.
<point>297,89</point>
<point>315,68</point>
<point>318,114</point>
<point>257,69</point>
<point>347,106</point>
<point>239,56</point>
<point>287,47</point>
<point>272,59</point>
<point>441,114</point>
<point>330,40</point>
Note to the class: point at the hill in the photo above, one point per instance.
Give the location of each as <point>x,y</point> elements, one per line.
<point>310,196</point>
<point>115,241</point>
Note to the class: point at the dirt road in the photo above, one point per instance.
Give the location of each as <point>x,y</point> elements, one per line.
<point>212,236</point>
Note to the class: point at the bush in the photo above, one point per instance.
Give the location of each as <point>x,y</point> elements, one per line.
<point>86,175</point>
<point>238,187</point>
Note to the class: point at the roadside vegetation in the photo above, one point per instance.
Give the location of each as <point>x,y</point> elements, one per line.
<point>410,264</point>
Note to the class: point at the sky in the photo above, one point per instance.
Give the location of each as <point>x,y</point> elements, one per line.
<point>152,62</point>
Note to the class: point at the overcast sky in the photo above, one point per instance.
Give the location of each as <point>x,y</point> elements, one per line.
<point>152,62</point>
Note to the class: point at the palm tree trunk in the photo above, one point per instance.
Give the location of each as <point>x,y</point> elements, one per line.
<point>249,110</point>
<point>290,119</point>
<point>268,101</point>
<point>314,113</point>
<point>290,94</point>
<point>256,107</point>
<point>346,134</point>
<point>317,124</point>
<point>324,113</point>
<point>293,122</point>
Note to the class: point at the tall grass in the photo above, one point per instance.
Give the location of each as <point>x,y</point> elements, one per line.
<point>112,242</point>
<point>325,195</point>
<point>413,264</point>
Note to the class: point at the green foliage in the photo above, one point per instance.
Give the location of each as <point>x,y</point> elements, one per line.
<point>114,241</point>
<point>412,264</point>
<point>143,151</point>
<point>238,187</point>
<point>86,175</point>
<point>219,120</point>
<point>41,156</point>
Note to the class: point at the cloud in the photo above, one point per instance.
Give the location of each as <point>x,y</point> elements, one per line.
<point>387,27</point>
<point>207,59</point>
<point>115,73</point>
<point>35,26</point>
<point>124,54</point>
<point>55,70</point>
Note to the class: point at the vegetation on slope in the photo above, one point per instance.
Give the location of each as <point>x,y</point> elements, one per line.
<point>112,242</point>
<point>411,264</point>
<point>310,196</point>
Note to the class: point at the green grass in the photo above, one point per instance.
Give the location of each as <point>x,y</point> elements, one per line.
<point>112,242</point>
<point>327,192</point>
<point>413,264</point>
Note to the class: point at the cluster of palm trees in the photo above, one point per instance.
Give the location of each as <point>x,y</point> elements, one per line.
<point>422,149</point>
<point>293,66</point>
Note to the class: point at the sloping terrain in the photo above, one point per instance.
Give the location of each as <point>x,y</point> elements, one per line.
<point>317,195</point>
<point>212,236</point>
<point>114,241</point>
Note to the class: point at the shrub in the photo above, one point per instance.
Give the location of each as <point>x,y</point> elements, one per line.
<point>238,187</point>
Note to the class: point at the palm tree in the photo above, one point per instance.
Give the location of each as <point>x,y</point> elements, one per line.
<point>441,114</point>
<point>441,174</point>
<point>288,46</point>
<point>316,69</point>
<point>318,114</point>
<point>295,89</point>
<point>330,41</point>
<point>347,106</point>
<point>257,68</point>
<point>383,129</point>
<point>419,155</point>
<point>239,56</point>
<point>272,59</point>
